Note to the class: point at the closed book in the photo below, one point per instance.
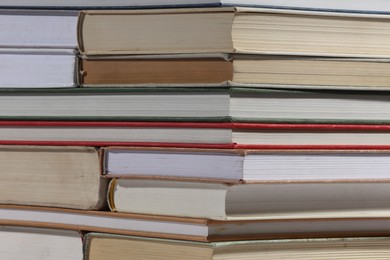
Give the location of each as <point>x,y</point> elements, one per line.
<point>375,6</point>
<point>194,229</point>
<point>251,200</point>
<point>310,136</point>
<point>38,28</point>
<point>196,135</point>
<point>196,104</point>
<point>99,246</point>
<point>66,177</point>
<point>245,165</point>
<point>18,242</point>
<point>105,4</point>
<point>119,104</point>
<point>233,30</point>
<point>239,70</point>
<point>38,68</point>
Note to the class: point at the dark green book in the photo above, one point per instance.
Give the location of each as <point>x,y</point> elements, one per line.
<point>195,104</point>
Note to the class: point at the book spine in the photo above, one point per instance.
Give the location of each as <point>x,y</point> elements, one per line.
<point>80,40</point>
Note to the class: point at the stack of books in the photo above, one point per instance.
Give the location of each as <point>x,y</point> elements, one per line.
<point>194,129</point>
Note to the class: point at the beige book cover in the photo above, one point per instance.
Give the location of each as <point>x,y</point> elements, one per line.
<point>98,246</point>
<point>233,30</point>
<point>67,177</point>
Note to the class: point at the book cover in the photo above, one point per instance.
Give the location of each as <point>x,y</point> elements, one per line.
<point>38,28</point>
<point>38,68</point>
<point>66,177</point>
<point>19,242</point>
<point>103,246</point>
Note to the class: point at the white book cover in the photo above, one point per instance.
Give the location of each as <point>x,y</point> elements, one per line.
<point>27,243</point>
<point>38,68</point>
<point>38,29</point>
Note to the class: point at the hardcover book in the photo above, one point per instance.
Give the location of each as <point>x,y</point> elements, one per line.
<point>37,28</point>
<point>196,135</point>
<point>245,165</point>
<point>116,133</point>
<point>98,4</point>
<point>40,243</point>
<point>275,199</point>
<point>375,6</point>
<point>197,104</point>
<point>119,104</point>
<point>98,246</point>
<point>194,229</point>
<point>38,68</point>
<point>66,177</point>
<point>242,70</point>
<point>233,30</point>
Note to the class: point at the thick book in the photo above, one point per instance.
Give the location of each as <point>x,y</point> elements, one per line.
<point>100,246</point>
<point>67,177</point>
<point>38,68</point>
<point>196,104</point>
<point>196,135</point>
<point>38,28</point>
<point>233,30</point>
<point>374,6</point>
<point>245,165</point>
<point>194,229</point>
<point>275,199</point>
<point>253,70</point>
<point>27,243</point>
